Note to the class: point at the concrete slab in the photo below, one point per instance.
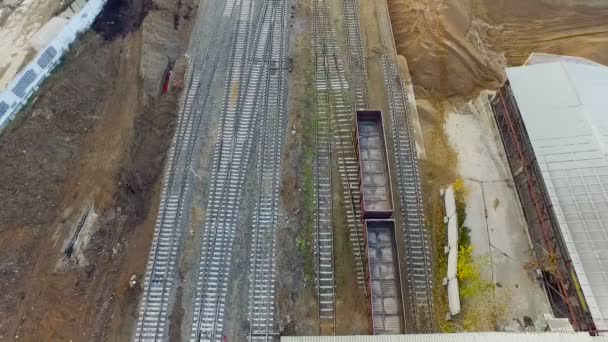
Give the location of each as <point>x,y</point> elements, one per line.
<point>412,110</point>
<point>498,229</point>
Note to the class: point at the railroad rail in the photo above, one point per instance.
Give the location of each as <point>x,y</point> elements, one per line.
<point>417,251</point>
<point>335,120</point>
<point>324,237</point>
<point>159,279</point>
<point>344,120</point>
<point>229,159</point>
<point>160,271</point>
<point>356,52</point>
<point>255,67</point>
<point>252,50</point>
<point>272,116</point>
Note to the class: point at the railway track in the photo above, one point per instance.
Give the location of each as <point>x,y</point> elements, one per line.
<point>417,249</point>
<point>256,58</point>
<point>340,97</point>
<point>334,124</point>
<point>356,52</point>
<point>344,121</point>
<point>418,259</point>
<point>229,160</point>
<point>324,236</point>
<point>160,272</point>
<point>261,310</point>
<point>159,279</point>
<point>255,50</point>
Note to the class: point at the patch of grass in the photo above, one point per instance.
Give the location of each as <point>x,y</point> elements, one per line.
<point>464,236</point>
<point>469,274</point>
<point>440,299</point>
<point>305,242</point>
<point>343,254</point>
<point>480,308</point>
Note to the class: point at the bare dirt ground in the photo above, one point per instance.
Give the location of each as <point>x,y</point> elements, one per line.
<point>94,138</point>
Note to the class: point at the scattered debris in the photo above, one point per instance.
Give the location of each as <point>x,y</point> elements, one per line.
<point>133,281</point>
<point>68,250</point>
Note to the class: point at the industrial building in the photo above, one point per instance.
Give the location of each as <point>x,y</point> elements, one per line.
<point>553,120</point>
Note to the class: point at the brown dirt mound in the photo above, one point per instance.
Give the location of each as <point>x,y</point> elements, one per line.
<point>457,47</point>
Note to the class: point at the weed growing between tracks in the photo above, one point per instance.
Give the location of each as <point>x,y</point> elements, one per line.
<point>343,251</point>
<point>305,241</point>
<point>351,303</point>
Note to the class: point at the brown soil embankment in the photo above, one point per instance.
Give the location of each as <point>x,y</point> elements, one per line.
<point>95,137</point>
<point>458,47</point>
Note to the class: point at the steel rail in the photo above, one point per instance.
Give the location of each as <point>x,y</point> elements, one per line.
<point>162,263</point>
<point>262,267</point>
<point>324,241</point>
<point>221,220</point>
<point>356,52</point>
<point>221,173</point>
<point>417,258</point>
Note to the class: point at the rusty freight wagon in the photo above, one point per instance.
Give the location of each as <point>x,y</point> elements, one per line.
<point>383,278</point>
<point>374,172</point>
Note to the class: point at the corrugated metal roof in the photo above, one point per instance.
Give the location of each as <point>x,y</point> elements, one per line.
<point>468,337</point>
<point>564,106</point>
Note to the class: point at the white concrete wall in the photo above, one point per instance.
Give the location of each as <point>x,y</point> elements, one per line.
<point>451,217</point>
<point>11,99</point>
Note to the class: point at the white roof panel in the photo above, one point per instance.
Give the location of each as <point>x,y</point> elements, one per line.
<point>564,107</point>
<point>544,58</point>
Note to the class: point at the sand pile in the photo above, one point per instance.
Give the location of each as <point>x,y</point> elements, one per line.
<point>455,48</point>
